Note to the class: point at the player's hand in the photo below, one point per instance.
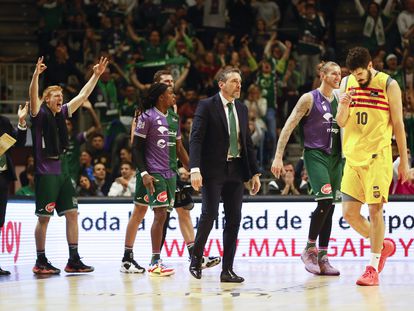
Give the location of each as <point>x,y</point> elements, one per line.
<point>196,181</point>
<point>40,66</point>
<point>403,172</point>
<point>345,99</point>
<point>22,113</point>
<point>100,67</point>
<point>277,167</point>
<point>148,182</point>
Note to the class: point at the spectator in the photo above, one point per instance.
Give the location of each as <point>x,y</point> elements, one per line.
<point>405,22</point>
<point>102,179</point>
<point>97,151</point>
<point>124,186</point>
<point>28,190</point>
<point>375,21</point>
<point>287,184</point>
<point>24,181</point>
<point>87,187</point>
<point>188,108</point>
<point>86,167</point>
<point>268,11</point>
<point>310,45</point>
<point>395,70</point>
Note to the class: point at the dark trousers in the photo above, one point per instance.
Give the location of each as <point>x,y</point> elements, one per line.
<point>230,188</point>
<point>4,191</point>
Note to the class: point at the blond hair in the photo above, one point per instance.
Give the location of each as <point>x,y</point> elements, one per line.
<point>50,89</point>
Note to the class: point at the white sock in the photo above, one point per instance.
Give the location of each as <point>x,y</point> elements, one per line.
<point>375,260</point>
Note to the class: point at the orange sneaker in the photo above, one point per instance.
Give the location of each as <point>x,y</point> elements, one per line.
<point>369,278</point>
<point>387,249</point>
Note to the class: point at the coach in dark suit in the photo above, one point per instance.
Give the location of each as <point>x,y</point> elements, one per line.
<point>222,157</point>
<point>7,173</point>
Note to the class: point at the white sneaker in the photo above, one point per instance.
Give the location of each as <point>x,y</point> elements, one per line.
<point>159,269</point>
<point>131,267</point>
<point>209,262</point>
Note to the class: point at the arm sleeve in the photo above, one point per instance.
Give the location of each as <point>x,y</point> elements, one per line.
<point>138,153</point>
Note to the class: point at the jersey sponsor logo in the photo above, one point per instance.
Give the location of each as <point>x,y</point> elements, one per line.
<point>335,131</point>
<point>50,207</point>
<point>374,93</point>
<point>326,189</point>
<point>162,197</point>
<point>163,130</point>
<point>161,143</point>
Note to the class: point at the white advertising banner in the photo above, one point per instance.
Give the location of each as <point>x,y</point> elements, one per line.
<point>269,230</point>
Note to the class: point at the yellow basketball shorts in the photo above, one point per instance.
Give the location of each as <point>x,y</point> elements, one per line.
<point>369,183</point>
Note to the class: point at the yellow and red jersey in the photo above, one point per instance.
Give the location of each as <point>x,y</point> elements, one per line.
<point>368,129</point>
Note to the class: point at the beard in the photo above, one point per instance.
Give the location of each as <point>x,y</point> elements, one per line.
<point>365,84</point>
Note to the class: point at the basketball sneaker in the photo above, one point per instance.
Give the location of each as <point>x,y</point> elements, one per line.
<point>77,266</point>
<point>131,266</point>
<point>369,278</point>
<point>310,259</point>
<point>387,249</point>
<point>210,261</point>
<point>326,268</point>
<point>159,269</point>
<point>44,268</point>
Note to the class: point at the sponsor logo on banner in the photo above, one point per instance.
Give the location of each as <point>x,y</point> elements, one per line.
<point>162,197</point>
<point>50,207</point>
<point>268,231</point>
<point>326,189</point>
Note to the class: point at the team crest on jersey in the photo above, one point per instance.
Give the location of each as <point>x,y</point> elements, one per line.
<point>50,207</point>
<point>146,198</point>
<point>141,124</point>
<point>162,197</point>
<point>326,189</point>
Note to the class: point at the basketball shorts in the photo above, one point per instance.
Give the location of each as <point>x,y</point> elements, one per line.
<point>163,195</point>
<point>54,192</point>
<point>324,172</point>
<point>369,183</point>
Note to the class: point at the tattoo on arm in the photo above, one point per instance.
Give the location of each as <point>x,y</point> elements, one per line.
<point>301,109</point>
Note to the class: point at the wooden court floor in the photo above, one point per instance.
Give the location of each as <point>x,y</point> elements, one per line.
<point>269,285</point>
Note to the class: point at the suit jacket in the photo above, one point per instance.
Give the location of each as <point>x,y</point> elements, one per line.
<point>20,136</point>
<point>209,143</point>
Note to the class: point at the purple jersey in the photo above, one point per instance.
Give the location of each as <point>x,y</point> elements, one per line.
<point>44,165</point>
<point>160,132</point>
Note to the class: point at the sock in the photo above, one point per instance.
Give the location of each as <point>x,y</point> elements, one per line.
<point>73,251</point>
<point>375,258</point>
<point>190,248</point>
<point>155,257</point>
<point>128,254</point>
<point>310,244</point>
<point>41,256</point>
<point>323,251</point>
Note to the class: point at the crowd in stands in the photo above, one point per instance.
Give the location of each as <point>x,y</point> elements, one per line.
<point>276,44</point>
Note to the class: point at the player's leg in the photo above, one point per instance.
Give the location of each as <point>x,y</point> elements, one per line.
<point>46,192</point>
<point>141,200</point>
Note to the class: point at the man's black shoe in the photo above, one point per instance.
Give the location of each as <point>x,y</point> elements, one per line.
<point>195,267</point>
<point>229,276</point>
<point>4,272</point>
